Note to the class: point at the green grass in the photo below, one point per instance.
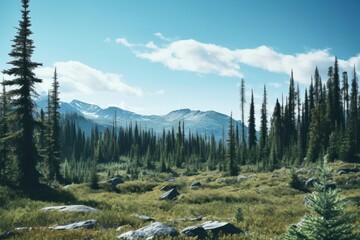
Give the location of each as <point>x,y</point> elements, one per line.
<point>268,204</point>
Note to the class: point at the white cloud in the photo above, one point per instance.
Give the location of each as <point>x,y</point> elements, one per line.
<point>76,77</point>
<point>192,56</point>
<point>275,85</point>
<point>124,42</point>
<point>162,37</point>
<point>205,58</point>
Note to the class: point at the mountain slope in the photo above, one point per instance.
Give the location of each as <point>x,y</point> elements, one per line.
<point>206,123</point>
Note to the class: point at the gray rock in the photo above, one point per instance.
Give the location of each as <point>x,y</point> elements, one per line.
<point>169,195</point>
<point>155,229</point>
<point>76,225</point>
<point>341,172</point>
<point>241,178</point>
<point>195,231</point>
<point>224,227</point>
<point>310,182</point>
<point>195,185</point>
<point>114,181</point>
<point>142,217</point>
<point>301,171</point>
<point>70,208</point>
<point>167,187</point>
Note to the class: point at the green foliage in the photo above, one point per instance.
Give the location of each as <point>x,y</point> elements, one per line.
<point>239,215</point>
<point>295,181</point>
<point>327,219</point>
<point>21,104</point>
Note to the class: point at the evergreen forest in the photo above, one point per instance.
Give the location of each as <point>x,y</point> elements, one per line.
<point>40,148</point>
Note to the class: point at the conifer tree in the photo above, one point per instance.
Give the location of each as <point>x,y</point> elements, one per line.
<point>54,128</point>
<point>264,130</point>
<point>263,126</point>
<point>231,149</point>
<point>21,101</point>
<point>346,98</point>
<point>242,105</point>
<point>354,116</point>
<point>276,136</point>
<point>337,105</point>
<point>327,219</point>
<point>251,126</point>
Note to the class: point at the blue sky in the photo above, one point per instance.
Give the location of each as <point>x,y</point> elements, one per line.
<point>152,57</point>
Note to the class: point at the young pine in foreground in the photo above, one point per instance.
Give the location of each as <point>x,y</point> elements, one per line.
<point>327,219</point>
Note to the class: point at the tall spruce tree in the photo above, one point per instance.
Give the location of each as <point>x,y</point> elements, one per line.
<point>54,116</point>
<point>337,105</point>
<point>346,98</point>
<point>354,116</point>
<point>276,133</point>
<point>231,149</point>
<point>327,219</point>
<point>242,106</point>
<point>264,131</point>
<point>251,126</point>
<point>21,95</point>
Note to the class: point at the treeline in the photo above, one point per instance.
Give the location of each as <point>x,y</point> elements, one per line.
<point>43,146</point>
<point>302,131</point>
<point>137,149</point>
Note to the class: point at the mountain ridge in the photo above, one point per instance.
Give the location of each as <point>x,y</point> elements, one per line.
<point>202,122</point>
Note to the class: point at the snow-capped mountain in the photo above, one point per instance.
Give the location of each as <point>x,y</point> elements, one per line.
<point>202,122</point>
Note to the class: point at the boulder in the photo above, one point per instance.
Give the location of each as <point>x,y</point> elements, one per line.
<point>114,181</point>
<point>341,172</point>
<point>310,182</point>
<point>70,208</point>
<point>241,178</point>
<point>155,229</point>
<point>195,231</point>
<point>195,185</point>
<point>76,225</point>
<point>142,217</point>
<point>353,169</point>
<point>221,227</point>
<point>169,195</point>
<point>167,187</point>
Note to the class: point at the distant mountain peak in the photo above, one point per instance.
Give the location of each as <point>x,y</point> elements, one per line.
<point>202,122</point>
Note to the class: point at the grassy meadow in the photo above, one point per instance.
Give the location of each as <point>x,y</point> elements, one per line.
<point>267,202</point>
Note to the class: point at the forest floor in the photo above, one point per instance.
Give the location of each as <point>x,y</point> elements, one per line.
<point>269,205</point>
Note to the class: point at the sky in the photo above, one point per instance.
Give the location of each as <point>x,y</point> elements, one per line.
<point>152,57</point>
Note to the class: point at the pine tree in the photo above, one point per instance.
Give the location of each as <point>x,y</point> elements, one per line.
<point>251,126</point>
<point>54,116</point>
<point>276,133</point>
<point>337,105</point>
<point>242,105</point>
<point>231,149</point>
<point>327,219</point>
<point>264,130</point>
<point>21,102</point>
<point>346,98</point>
<point>354,116</point>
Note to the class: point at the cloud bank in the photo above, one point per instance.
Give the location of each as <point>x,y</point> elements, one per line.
<point>76,77</point>
<point>206,58</point>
